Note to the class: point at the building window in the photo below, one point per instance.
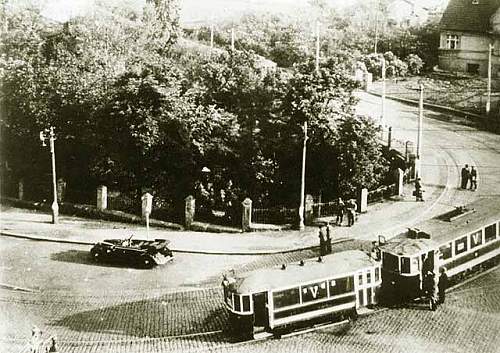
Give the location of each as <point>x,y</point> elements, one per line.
<point>452,41</point>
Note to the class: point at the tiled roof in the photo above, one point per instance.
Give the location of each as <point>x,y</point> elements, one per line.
<point>463,15</point>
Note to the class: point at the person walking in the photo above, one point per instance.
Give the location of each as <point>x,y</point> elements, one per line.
<point>340,211</point>
<point>442,285</point>
<point>418,190</point>
<point>473,178</point>
<point>465,176</point>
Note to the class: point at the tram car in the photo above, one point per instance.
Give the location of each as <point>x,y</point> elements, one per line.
<point>134,252</point>
<point>280,299</point>
<point>463,240</point>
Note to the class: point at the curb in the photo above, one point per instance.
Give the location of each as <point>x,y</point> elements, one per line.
<point>185,251</point>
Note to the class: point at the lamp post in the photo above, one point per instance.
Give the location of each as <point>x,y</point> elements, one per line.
<point>48,134</point>
<point>488,101</point>
<point>418,167</point>
<point>303,180</point>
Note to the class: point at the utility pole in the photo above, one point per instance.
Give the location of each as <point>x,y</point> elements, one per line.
<point>376,26</point>
<point>48,134</point>
<point>418,165</point>
<point>488,101</point>
<point>303,181</point>
<point>212,37</point>
<point>232,38</point>
<point>382,119</point>
<point>304,148</point>
<point>317,46</point>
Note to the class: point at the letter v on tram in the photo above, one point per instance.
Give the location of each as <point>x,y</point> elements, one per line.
<point>277,300</point>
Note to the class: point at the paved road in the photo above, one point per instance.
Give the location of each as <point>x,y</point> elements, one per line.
<point>469,321</point>
<point>446,148</point>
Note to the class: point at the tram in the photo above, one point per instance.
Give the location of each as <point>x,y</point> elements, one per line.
<point>463,240</point>
<point>279,299</point>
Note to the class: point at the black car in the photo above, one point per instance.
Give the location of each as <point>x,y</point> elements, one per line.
<point>137,252</point>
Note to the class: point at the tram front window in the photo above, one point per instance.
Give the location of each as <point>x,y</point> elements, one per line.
<point>237,302</point>
<point>405,265</point>
<point>390,262</point>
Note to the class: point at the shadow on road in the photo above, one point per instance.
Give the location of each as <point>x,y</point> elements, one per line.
<point>84,258</point>
<point>169,315</point>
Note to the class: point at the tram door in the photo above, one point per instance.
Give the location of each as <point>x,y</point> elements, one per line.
<point>260,309</point>
<point>428,262</point>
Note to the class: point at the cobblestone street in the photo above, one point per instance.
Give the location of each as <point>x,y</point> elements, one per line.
<point>148,320</point>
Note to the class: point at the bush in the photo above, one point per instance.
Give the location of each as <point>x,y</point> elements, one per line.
<point>415,64</point>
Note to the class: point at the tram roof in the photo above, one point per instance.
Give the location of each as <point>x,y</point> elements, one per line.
<point>447,226</point>
<point>345,262</point>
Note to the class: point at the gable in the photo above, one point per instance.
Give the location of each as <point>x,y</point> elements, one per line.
<point>463,15</point>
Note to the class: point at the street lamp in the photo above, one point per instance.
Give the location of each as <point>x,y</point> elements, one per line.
<point>48,134</point>
<point>303,180</point>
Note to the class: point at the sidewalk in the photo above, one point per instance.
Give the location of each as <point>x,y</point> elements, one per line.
<point>387,218</point>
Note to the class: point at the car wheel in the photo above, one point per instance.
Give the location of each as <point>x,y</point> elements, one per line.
<point>95,255</point>
<point>146,263</point>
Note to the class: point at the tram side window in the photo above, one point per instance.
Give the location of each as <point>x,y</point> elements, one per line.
<point>476,239</point>
<point>445,251</point>
<point>461,245</point>
<point>377,274</point>
<point>314,291</point>
<point>246,303</point>
<point>405,265</point>
<point>286,297</point>
<point>368,277</point>
<point>340,285</point>
<point>390,262</point>
<point>490,232</point>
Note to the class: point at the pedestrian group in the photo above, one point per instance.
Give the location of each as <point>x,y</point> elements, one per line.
<point>469,176</point>
<point>348,208</point>
<point>435,288</point>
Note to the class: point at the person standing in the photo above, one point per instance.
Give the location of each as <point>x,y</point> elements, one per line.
<point>351,212</point>
<point>473,178</point>
<point>465,176</point>
<point>340,211</point>
<point>328,239</point>
<point>442,285</point>
<point>418,190</point>
<point>322,242</point>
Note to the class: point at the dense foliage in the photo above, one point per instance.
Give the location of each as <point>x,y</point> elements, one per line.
<point>135,110</point>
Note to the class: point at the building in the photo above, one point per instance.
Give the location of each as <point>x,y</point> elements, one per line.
<point>468,27</point>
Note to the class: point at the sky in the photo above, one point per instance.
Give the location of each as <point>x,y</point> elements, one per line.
<point>193,11</point>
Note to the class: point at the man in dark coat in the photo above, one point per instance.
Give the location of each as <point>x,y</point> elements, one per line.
<point>473,179</point>
<point>442,285</point>
<point>465,176</point>
<point>322,242</point>
<point>418,190</point>
<point>328,241</point>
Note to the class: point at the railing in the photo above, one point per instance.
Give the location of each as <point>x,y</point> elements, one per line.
<point>325,209</point>
<point>276,215</point>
